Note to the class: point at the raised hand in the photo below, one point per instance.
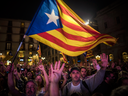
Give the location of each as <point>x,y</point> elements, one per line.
<point>40,62</point>
<point>10,68</point>
<point>41,67</point>
<point>104,60</point>
<point>55,78</point>
<point>15,72</point>
<point>56,72</point>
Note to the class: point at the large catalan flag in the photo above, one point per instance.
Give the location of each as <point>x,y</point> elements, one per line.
<point>59,27</point>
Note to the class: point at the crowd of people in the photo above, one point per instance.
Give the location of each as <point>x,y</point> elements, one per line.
<point>92,78</point>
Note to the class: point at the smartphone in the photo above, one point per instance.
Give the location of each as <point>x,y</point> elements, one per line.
<point>22,69</point>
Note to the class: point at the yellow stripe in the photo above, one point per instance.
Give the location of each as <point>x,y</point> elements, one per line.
<point>65,17</point>
<point>72,42</point>
<point>77,33</point>
<point>67,52</point>
<point>68,8</point>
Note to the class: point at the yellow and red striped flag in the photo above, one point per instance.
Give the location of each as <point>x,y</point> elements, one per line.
<point>39,51</point>
<point>64,57</point>
<point>8,57</point>
<point>58,26</point>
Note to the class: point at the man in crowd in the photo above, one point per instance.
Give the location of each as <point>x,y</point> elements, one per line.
<point>78,86</point>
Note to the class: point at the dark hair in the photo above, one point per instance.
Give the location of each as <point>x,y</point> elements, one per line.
<point>75,68</point>
<point>83,67</point>
<point>120,80</point>
<point>107,73</point>
<point>120,91</point>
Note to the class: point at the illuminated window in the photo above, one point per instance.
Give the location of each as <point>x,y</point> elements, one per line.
<point>8,46</point>
<point>30,47</point>
<point>30,53</point>
<point>22,24</point>
<point>111,57</point>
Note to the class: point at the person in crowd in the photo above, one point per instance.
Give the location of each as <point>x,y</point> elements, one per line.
<point>122,81</point>
<point>19,82</point>
<point>123,73</point>
<point>37,71</point>
<point>120,91</point>
<point>83,72</point>
<point>107,85</point>
<point>29,75</point>
<point>42,87</point>
<point>55,78</point>
<point>64,80</point>
<point>76,85</point>
<point>30,85</point>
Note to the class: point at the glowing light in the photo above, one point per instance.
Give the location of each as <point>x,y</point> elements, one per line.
<point>43,58</point>
<point>87,22</point>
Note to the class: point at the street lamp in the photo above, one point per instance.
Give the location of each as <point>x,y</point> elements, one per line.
<point>97,57</point>
<point>87,22</point>
<point>43,58</point>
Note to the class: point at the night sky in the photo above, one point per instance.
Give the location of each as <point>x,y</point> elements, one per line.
<point>25,9</point>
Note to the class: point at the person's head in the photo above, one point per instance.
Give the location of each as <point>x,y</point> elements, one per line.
<point>66,74</point>
<point>37,69</point>
<point>123,81</point>
<point>39,80</point>
<point>83,72</point>
<point>75,74</point>
<point>25,71</point>
<point>120,91</point>
<point>109,77</point>
<point>112,65</point>
<point>30,88</point>
<point>29,75</point>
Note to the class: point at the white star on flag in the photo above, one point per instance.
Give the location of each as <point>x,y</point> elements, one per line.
<point>52,17</point>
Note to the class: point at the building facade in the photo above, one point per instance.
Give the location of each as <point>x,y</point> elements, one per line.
<point>113,20</point>
<point>11,34</point>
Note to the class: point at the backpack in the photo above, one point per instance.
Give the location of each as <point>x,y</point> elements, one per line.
<point>85,85</point>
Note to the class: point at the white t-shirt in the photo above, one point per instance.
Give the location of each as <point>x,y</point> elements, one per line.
<point>74,89</point>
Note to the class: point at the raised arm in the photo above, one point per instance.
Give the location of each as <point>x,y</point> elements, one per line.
<point>99,76</point>
<point>41,67</point>
<point>11,85</point>
<point>64,81</point>
<point>55,77</point>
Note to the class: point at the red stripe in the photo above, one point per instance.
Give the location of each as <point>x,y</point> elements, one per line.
<point>77,28</point>
<point>62,44</point>
<point>79,38</point>
<point>72,26</point>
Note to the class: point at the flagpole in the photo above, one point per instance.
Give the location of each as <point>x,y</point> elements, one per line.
<point>18,49</point>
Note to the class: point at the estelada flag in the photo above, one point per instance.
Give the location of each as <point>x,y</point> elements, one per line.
<point>64,57</point>
<point>8,56</point>
<point>89,54</point>
<point>39,50</point>
<point>58,26</point>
